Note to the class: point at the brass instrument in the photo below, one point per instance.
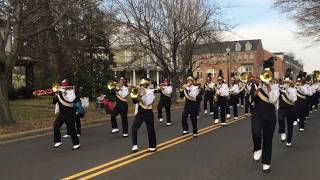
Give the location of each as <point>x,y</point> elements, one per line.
<point>56,88</point>
<point>316,75</point>
<point>111,85</point>
<point>266,76</point>
<point>244,77</point>
<point>136,92</point>
<point>216,95</point>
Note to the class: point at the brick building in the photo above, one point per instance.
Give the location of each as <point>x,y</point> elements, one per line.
<point>244,56</point>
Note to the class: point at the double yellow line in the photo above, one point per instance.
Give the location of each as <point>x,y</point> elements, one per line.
<point>109,166</point>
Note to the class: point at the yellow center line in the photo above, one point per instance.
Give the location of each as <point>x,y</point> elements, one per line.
<point>142,154</point>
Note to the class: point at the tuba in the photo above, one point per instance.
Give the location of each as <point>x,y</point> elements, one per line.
<point>244,77</point>
<point>266,76</point>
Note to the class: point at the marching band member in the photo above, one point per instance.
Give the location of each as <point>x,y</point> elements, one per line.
<point>222,94</point>
<point>316,87</point>
<point>242,93</point>
<point>250,88</point>
<point>66,114</point>
<point>301,104</point>
<point>209,92</point>
<point>309,96</point>
<point>190,92</point>
<point>165,101</point>
<point>199,97</point>
<point>264,116</point>
<point>121,91</point>
<point>234,95</point>
<point>144,114</point>
<point>288,97</point>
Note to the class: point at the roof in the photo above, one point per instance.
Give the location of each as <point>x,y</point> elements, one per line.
<point>220,47</point>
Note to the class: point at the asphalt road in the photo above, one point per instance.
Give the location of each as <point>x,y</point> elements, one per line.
<point>218,153</point>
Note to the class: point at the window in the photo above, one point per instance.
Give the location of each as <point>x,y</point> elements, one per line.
<point>246,68</point>
<point>248,46</point>
<point>199,74</point>
<point>210,71</point>
<point>238,46</point>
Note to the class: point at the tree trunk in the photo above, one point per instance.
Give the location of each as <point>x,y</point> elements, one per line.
<point>5,112</point>
<point>174,87</point>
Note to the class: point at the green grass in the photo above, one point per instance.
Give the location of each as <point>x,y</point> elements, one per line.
<point>38,113</point>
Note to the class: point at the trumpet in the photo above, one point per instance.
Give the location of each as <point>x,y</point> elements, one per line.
<point>266,76</point>
<point>42,92</point>
<point>111,85</point>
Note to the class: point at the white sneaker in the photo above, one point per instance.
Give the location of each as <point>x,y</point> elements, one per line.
<point>238,105</point>
<point>125,135</point>
<point>66,136</point>
<point>115,131</point>
<point>298,120</point>
<point>195,135</point>
<point>301,129</point>
<point>75,147</point>
<point>223,124</point>
<point>216,121</point>
<point>198,117</point>
<point>307,117</point>
<point>288,144</point>
<point>135,148</point>
<point>236,118</point>
<point>228,115</point>
<point>161,119</point>
<point>316,110</point>
<point>266,168</point>
<point>283,136</point>
<point>295,123</point>
<point>58,144</point>
<point>205,111</point>
<point>185,132</point>
<point>257,155</point>
<point>78,135</point>
<point>242,106</point>
<point>152,149</point>
<point>168,124</point>
<point>211,113</point>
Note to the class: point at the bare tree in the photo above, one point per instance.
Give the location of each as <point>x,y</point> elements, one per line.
<point>166,29</point>
<point>21,20</point>
<point>305,13</point>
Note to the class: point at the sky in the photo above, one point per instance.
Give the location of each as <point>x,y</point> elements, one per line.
<point>257,19</point>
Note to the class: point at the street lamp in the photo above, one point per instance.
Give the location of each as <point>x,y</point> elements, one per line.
<point>229,63</point>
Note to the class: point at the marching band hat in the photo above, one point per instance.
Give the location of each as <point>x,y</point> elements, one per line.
<point>65,83</point>
<point>190,78</point>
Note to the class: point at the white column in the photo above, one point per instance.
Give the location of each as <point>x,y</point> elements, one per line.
<point>158,78</point>
<point>148,73</point>
<point>134,77</point>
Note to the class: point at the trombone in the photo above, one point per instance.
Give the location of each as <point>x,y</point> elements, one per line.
<point>136,92</point>
<point>56,88</point>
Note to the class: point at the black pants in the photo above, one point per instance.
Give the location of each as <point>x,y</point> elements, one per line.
<point>208,97</point>
<point>216,110</point>
<point>147,117</point>
<point>309,105</point>
<point>78,126</point>
<point>289,115</point>
<point>262,126</point>
<point>241,97</point>
<point>301,112</point>
<point>234,100</point>
<point>198,106</point>
<point>122,109</point>
<point>248,105</point>
<point>166,103</point>
<point>69,119</point>
<point>227,106</point>
<point>190,108</point>
<point>222,103</point>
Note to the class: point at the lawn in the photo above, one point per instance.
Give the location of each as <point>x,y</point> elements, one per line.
<point>31,114</point>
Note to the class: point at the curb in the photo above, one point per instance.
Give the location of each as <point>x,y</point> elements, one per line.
<point>47,131</point>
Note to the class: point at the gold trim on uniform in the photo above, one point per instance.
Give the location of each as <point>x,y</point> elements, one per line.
<point>299,94</point>
<point>263,97</point>
<point>64,102</point>
<point>188,97</point>
<point>147,107</point>
<point>286,100</point>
